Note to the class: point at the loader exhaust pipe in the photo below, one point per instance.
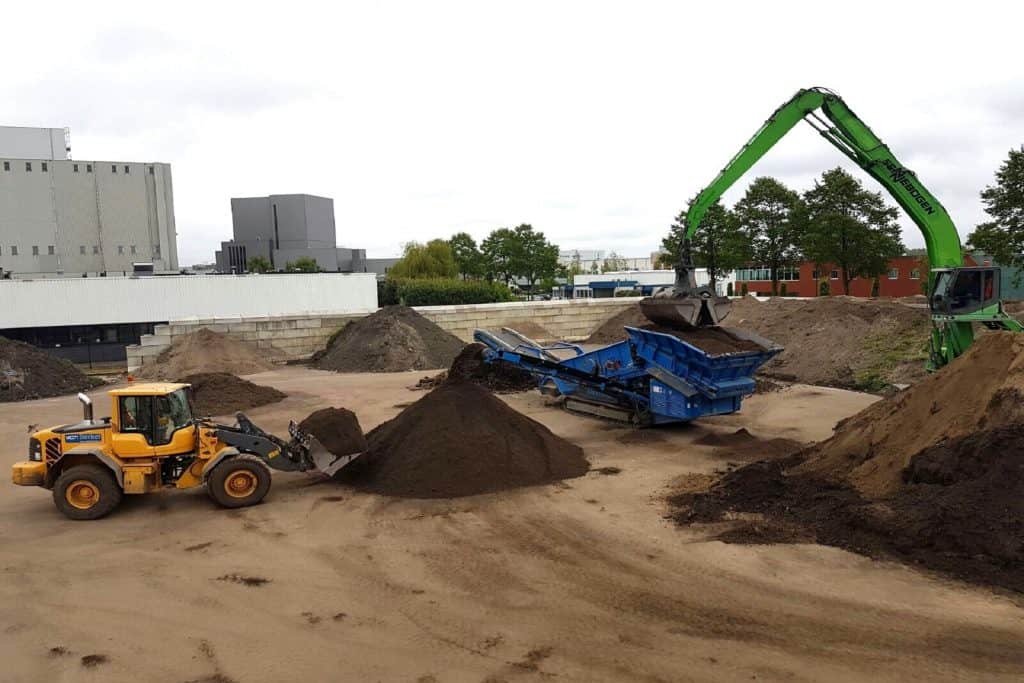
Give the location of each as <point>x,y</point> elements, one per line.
<point>86,407</point>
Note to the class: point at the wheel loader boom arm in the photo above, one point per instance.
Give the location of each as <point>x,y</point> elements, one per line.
<point>839,125</point>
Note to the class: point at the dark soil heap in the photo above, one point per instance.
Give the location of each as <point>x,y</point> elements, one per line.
<point>713,340</point>
<point>35,373</point>
<point>469,366</point>
<point>460,440</point>
<point>841,341</point>
<point>337,429</point>
<point>221,393</point>
<point>205,351</point>
<point>394,339</point>
<point>934,475</point>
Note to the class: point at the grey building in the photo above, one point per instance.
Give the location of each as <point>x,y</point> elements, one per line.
<point>65,217</point>
<point>282,228</point>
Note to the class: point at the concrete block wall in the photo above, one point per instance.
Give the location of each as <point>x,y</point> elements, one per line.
<point>293,337</point>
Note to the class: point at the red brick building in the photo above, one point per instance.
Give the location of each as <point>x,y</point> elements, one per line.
<point>904,278</point>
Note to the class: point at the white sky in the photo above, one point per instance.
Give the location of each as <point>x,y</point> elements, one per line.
<point>593,121</point>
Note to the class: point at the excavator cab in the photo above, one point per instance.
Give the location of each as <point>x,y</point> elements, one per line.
<point>961,291</point>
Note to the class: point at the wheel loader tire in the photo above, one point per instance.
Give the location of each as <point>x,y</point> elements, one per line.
<point>86,492</point>
<point>239,481</point>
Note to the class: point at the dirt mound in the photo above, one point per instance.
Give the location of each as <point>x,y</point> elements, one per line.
<point>27,372</point>
<point>934,475</point>
<point>841,341</point>
<point>714,340</point>
<point>460,440</point>
<point>742,445</point>
<point>205,351</point>
<point>221,393</point>
<point>337,429</point>
<point>394,339</point>
<point>469,366</point>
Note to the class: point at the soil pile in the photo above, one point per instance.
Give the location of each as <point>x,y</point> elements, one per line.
<point>460,440</point>
<point>846,342</point>
<point>469,366</point>
<point>934,475</point>
<point>27,372</point>
<point>394,339</point>
<point>221,393</point>
<point>337,429</point>
<point>205,351</point>
<point>714,340</point>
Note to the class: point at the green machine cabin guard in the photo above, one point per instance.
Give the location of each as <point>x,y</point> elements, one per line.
<point>958,296</point>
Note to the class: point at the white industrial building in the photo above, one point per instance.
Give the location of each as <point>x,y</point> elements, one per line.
<point>63,217</point>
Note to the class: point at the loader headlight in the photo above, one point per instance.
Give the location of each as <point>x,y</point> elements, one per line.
<point>35,450</point>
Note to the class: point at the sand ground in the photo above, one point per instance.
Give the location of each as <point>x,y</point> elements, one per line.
<point>584,581</point>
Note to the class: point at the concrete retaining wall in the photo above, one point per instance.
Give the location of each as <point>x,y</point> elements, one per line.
<point>301,335</point>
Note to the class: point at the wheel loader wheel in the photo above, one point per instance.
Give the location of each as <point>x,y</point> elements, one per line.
<point>86,492</point>
<point>239,481</point>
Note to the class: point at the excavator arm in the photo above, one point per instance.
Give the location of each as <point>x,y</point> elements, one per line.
<point>827,112</point>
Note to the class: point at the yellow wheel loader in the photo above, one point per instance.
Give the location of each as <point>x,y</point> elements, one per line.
<point>152,440</point>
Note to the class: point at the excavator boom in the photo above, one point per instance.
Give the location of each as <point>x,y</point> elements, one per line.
<point>955,308</point>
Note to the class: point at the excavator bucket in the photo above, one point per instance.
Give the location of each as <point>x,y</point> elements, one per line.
<point>700,308</point>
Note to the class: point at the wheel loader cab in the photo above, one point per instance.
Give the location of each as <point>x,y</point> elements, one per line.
<point>152,420</point>
<point>960,291</point>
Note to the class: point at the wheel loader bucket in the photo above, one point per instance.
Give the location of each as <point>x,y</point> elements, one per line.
<point>325,461</point>
<point>700,309</point>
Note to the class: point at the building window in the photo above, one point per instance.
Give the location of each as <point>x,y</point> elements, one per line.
<point>765,274</point>
<point>81,250</point>
<point>133,249</point>
<point>43,167</point>
<point>150,170</point>
<point>50,250</point>
<point>14,251</point>
<point>7,166</point>
<point>74,167</point>
<point>28,166</point>
<point>834,275</point>
<point>113,168</point>
<point>95,249</point>
<point>915,274</point>
<point>120,249</point>
<point>126,169</point>
<point>88,168</point>
<point>35,250</point>
<point>894,273</point>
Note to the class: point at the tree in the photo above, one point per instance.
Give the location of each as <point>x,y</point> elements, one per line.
<point>613,262</point>
<point>303,264</point>
<point>535,257</point>
<point>1002,238</point>
<point>499,255</point>
<point>422,261</point>
<point>468,258</point>
<point>770,216</point>
<point>717,244</point>
<point>849,227</point>
<point>258,264</point>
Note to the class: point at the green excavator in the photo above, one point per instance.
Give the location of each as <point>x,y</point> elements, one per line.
<point>959,296</point>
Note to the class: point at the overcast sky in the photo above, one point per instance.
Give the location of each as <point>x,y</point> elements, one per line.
<point>592,121</point>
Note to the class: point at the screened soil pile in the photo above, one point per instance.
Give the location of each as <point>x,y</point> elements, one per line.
<point>713,340</point>
<point>840,341</point>
<point>205,351</point>
<point>337,429</point>
<point>469,366</point>
<point>27,372</point>
<point>221,393</point>
<point>393,339</point>
<point>934,475</point>
<point>460,440</point>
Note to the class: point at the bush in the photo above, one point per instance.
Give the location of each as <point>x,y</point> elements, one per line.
<point>627,292</point>
<point>744,290</point>
<point>728,289</point>
<point>823,289</point>
<point>440,292</point>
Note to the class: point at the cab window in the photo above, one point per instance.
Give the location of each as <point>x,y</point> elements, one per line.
<point>172,414</point>
<point>137,416</point>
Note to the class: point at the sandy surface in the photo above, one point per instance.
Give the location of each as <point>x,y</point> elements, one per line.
<point>583,581</point>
